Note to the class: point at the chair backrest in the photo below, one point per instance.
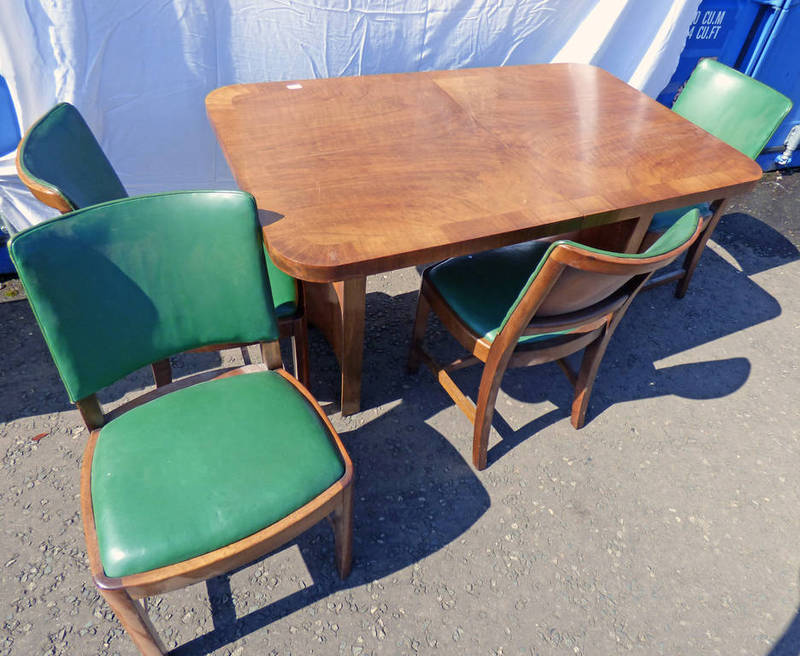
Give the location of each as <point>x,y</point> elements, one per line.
<point>62,164</point>
<point>9,126</point>
<point>122,284</point>
<point>571,277</point>
<point>741,111</point>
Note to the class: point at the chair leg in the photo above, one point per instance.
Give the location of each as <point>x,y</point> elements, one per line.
<point>135,621</point>
<point>695,251</point>
<point>162,372</point>
<point>418,333</point>
<point>271,355</point>
<point>592,356</point>
<point>342,521</point>
<point>492,375</point>
<point>300,350</point>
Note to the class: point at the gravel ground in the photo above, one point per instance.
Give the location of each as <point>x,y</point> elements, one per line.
<point>668,525</point>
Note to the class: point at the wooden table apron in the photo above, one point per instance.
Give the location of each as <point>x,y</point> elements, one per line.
<point>361,175</point>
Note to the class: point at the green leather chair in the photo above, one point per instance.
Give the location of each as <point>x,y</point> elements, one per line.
<point>740,111</point>
<point>63,165</point>
<point>203,475</point>
<point>532,303</point>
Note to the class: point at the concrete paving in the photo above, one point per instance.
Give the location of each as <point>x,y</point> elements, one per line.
<point>668,525</point>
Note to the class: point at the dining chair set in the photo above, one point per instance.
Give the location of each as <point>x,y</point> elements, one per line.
<point>118,283</point>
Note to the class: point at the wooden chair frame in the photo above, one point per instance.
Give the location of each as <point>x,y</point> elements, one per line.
<point>590,329</point>
<point>122,594</point>
<point>295,327</point>
<point>756,104</point>
<point>684,274</point>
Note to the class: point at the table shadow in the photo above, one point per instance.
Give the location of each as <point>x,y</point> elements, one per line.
<point>756,245</point>
<point>722,300</point>
<point>406,480</point>
<point>29,381</point>
<point>406,470</point>
<point>789,643</point>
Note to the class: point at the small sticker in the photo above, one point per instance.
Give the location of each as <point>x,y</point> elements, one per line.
<point>294,86</point>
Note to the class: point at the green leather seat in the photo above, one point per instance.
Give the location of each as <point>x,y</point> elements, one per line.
<point>532,303</point>
<point>480,288</point>
<point>663,220</point>
<point>484,289</point>
<point>61,153</point>
<point>284,290</point>
<point>741,111</point>
<point>211,472</point>
<point>206,442</point>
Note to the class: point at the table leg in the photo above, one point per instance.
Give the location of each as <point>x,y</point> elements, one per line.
<point>337,310</point>
<point>621,237</point>
<point>352,298</point>
<point>636,236</point>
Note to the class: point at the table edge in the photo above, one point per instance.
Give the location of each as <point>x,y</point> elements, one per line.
<point>354,269</point>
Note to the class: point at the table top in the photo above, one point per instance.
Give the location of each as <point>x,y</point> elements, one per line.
<point>358,175</point>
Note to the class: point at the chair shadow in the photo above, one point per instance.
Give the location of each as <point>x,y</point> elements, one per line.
<point>755,245</point>
<point>406,470</point>
<point>29,381</point>
<point>721,301</point>
<point>698,381</point>
<point>419,472</point>
<point>656,327</point>
<point>789,643</point>
<point>406,479</point>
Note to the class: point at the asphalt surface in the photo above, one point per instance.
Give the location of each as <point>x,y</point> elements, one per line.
<point>668,525</point>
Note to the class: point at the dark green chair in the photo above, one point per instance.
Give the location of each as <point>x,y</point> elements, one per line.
<point>532,303</point>
<point>203,475</point>
<point>740,111</point>
<point>63,165</point>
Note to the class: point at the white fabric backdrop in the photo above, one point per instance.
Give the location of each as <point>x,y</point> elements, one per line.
<point>139,70</point>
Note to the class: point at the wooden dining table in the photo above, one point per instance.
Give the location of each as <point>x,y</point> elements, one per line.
<point>355,176</point>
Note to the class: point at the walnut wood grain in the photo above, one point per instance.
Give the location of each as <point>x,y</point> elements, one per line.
<point>361,175</point>
<point>337,309</point>
<point>379,172</point>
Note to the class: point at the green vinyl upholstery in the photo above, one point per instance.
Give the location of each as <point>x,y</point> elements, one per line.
<point>741,111</point>
<point>60,151</point>
<point>480,288</point>
<point>484,289</point>
<point>534,303</point>
<point>663,220</point>
<point>284,289</point>
<point>197,467</point>
<point>122,284</point>
<point>196,470</point>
